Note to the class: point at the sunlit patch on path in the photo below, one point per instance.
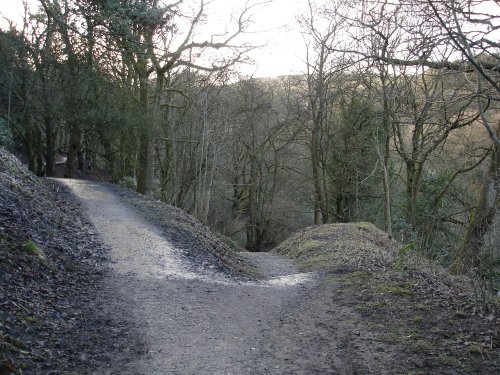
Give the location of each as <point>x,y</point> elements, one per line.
<point>193,318</point>
<point>139,249</point>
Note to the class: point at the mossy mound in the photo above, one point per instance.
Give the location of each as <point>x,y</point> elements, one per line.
<point>337,246</point>
<point>432,320</point>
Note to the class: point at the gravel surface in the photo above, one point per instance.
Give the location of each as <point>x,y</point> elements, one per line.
<point>193,319</point>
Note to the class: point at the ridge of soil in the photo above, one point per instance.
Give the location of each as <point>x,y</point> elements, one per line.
<point>194,240</point>
<point>428,320</point>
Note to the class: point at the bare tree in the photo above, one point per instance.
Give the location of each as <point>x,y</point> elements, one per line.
<point>153,46</point>
<point>321,34</point>
<point>456,35</point>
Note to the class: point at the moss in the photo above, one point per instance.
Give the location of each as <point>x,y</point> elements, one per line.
<point>317,262</point>
<point>474,348</point>
<point>418,319</point>
<point>307,246</point>
<point>422,345</point>
<point>400,260</point>
<point>30,247</point>
<point>30,319</point>
<point>401,289</point>
<point>449,360</point>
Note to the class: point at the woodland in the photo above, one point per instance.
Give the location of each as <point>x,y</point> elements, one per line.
<point>394,120</point>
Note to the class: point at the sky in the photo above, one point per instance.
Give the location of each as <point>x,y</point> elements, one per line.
<point>274,25</point>
<point>284,43</point>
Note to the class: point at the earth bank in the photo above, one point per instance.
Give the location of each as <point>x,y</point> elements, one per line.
<point>51,265</point>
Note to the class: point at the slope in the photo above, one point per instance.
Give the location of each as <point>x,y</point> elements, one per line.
<point>429,320</point>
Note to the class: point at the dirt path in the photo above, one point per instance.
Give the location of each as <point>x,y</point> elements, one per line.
<point>194,320</point>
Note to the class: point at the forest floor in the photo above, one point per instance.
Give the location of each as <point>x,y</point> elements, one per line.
<point>116,283</point>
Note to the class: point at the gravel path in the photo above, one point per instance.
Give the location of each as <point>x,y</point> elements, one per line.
<point>192,319</point>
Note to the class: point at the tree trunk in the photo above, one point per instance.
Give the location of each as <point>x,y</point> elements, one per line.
<point>73,151</point>
<point>386,160</point>
<point>386,155</point>
<point>317,99</point>
<point>387,201</point>
<point>50,142</point>
<point>209,192</point>
<point>412,184</point>
<point>81,157</point>
<point>484,216</point>
<point>145,157</point>
<point>251,244</point>
<point>40,167</point>
<point>111,160</point>
<point>318,194</point>
<point>144,185</point>
<point>30,152</point>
